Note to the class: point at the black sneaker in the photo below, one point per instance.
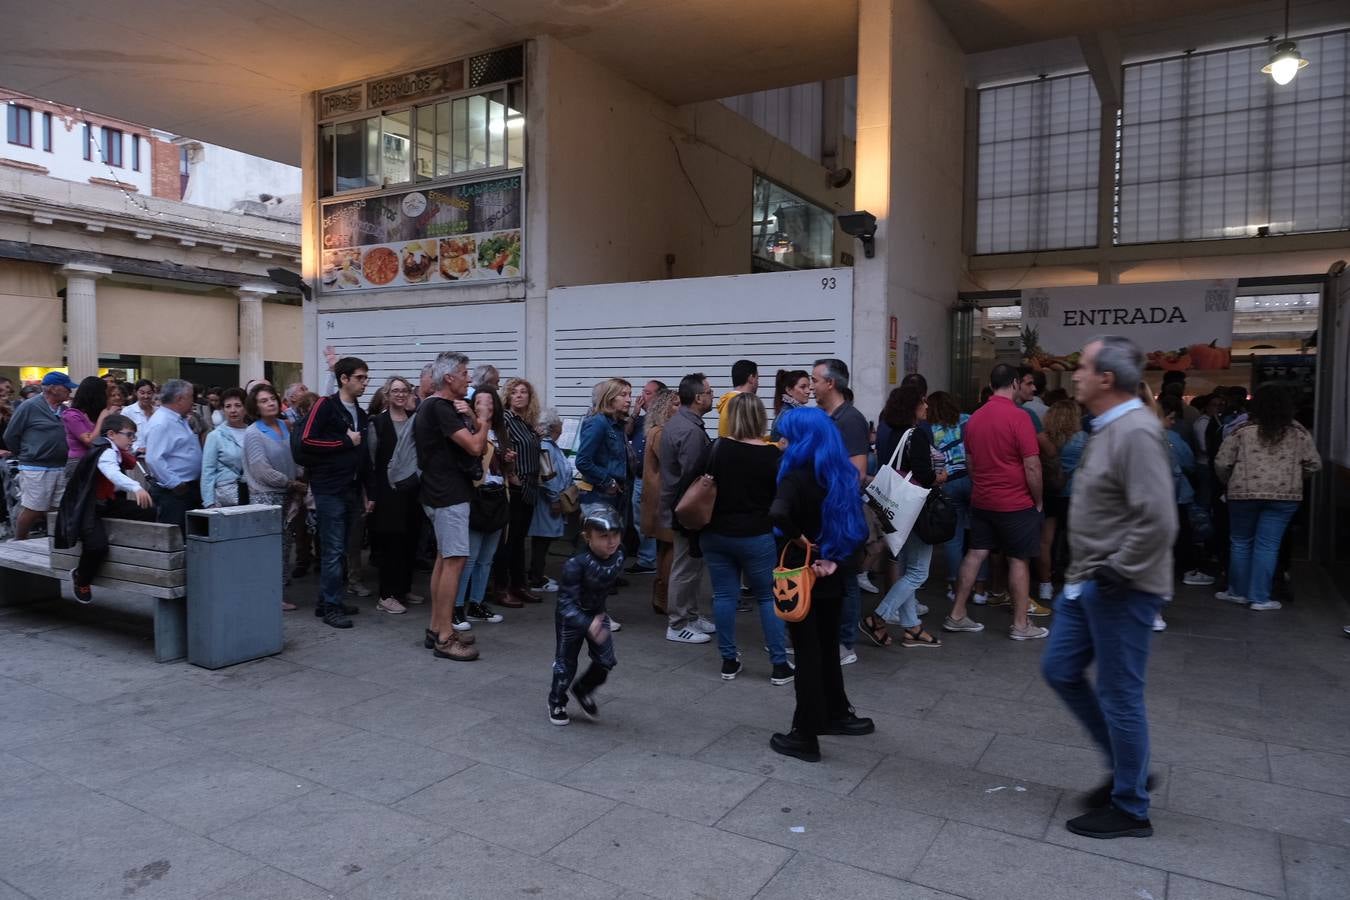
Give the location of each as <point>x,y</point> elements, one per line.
<point>587,703</point>
<point>479,612</point>
<point>730,669</point>
<point>299,571</point>
<point>320,610</point>
<point>1101,797</point>
<point>783,673</point>
<point>1111,822</point>
<point>797,745</point>
<point>333,618</point>
<point>349,610</point>
<point>743,607</point>
<point>458,622</point>
<point>640,569</point>
<point>83,593</point>
<point>558,715</point>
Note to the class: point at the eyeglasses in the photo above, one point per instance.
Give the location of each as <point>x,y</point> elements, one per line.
<point>130,434</point>
<point>399,391</point>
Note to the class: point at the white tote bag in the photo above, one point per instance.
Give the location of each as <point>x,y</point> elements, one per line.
<point>896,499</point>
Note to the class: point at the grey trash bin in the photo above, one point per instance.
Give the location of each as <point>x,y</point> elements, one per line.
<point>233,585</point>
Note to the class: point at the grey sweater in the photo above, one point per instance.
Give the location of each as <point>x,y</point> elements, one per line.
<point>682,444</point>
<point>268,464</point>
<point>35,434</point>
<point>1123,510</point>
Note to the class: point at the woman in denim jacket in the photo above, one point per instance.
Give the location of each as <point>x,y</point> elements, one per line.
<point>603,462</point>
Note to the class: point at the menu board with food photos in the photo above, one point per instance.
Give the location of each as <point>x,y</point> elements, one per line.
<point>445,235</point>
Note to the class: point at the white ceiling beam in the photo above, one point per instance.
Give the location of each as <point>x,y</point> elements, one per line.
<point>1101,52</point>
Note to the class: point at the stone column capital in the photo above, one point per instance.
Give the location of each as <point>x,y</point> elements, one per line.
<point>254,291</point>
<point>83,270</point>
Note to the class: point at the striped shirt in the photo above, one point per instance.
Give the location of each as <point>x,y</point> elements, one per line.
<point>525,442</point>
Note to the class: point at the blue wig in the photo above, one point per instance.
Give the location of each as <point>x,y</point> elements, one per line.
<point>813,441</point>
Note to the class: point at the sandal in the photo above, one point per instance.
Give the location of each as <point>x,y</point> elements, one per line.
<point>919,638</point>
<point>876,632</point>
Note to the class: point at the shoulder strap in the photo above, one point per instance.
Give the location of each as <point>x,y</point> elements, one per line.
<point>900,448</point>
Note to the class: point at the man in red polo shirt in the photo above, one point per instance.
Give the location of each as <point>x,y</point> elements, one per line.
<point>1004,462</point>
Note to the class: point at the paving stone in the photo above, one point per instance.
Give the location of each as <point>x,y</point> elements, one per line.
<point>550,756</point>
<point>29,714</point>
<point>682,787</point>
<point>410,718</point>
<point>1315,871</point>
<point>1315,770</point>
<point>1044,723</point>
<point>682,731</point>
<point>851,830</point>
<point>668,857</point>
<point>174,704</point>
<point>1179,887</point>
<point>313,689</point>
<point>951,792</point>
<point>811,878</point>
<point>103,755</point>
<point>466,868</point>
<point>330,839</point>
<point>245,676</point>
<point>14,770</point>
<point>387,770</point>
<point>982,864</point>
<point>78,845</point>
<point>1201,848</point>
<point>209,791</point>
<point>506,808</point>
<point>11,893</point>
<point>1274,807</point>
<point>844,762</point>
<point>265,733</point>
<point>930,740</point>
<point>271,884</point>
<point>1196,749</point>
<point>1075,769</point>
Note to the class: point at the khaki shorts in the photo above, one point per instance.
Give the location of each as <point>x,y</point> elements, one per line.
<point>451,524</point>
<point>40,489</point>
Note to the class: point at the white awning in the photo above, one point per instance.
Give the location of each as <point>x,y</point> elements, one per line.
<point>138,322</point>
<point>31,331</point>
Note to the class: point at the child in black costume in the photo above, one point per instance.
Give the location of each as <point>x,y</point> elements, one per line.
<point>582,590</point>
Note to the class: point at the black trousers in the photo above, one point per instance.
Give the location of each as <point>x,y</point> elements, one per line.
<point>538,556</point>
<point>394,553</point>
<point>94,536</point>
<point>819,684</point>
<point>172,506</point>
<point>570,639</point>
<point>508,566</point>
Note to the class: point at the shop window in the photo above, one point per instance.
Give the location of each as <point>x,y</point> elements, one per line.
<point>19,124</point>
<point>789,232</point>
<point>1211,148</point>
<point>396,147</point>
<point>1038,158</point>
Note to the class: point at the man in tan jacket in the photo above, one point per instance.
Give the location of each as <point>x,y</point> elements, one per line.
<point>1123,518</point>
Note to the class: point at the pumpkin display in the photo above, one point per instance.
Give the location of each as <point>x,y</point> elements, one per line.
<point>1210,356</point>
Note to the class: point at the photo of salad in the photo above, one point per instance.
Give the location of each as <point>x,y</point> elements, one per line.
<point>500,253</point>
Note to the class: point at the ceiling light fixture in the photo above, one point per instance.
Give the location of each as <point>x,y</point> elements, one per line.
<point>1286,61</point>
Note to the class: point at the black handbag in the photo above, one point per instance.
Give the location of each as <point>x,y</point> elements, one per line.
<point>490,508</point>
<point>936,523</point>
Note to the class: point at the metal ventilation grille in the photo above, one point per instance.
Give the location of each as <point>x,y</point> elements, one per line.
<point>499,65</point>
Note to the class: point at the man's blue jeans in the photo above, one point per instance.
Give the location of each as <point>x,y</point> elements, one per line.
<point>1115,631</point>
<point>727,558</point>
<point>335,512</point>
<point>1256,528</point>
<point>646,555</point>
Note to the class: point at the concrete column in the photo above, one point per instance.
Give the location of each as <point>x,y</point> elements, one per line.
<point>251,330</point>
<point>911,123</point>
<point>82,318</point>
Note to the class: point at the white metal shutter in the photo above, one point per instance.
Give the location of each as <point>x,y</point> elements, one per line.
<point>667,329</point>
<point>402,341</point>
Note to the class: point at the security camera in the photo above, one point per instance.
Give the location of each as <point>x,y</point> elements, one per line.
<point>862,225</point>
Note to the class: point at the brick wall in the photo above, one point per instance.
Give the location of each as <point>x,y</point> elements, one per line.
<point>164,180</point>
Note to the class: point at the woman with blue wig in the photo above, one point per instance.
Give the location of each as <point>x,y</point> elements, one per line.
<point>818,500</point>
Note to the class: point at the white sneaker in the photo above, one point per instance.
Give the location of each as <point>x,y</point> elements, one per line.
<point>1159,624</point>
<point>977,599</point>
<point>865,582</point>
<point>686,635</point>
<point>550,586</point>
<point>1231,598</point>
<point>359,589</point>
<point>1198,578</point>
<point>1030,633</point>
<point>923,610</point>
<point>614,624</point>
<point>951,592</point>
<point>1266,604</point>
<point>846,656</point>
<point>391,605</point>
<point>1047,591</point>
<point>703,625</point>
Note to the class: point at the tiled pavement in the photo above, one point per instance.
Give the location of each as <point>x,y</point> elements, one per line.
<point>356,764</point>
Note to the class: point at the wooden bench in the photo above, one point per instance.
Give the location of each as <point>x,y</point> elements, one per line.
<point>145,559</point>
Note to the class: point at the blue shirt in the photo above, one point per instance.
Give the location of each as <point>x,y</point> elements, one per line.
<point>172,452</point>
<point>1183,461</point>
<point>1069,456</point>
<point>1116,412</point>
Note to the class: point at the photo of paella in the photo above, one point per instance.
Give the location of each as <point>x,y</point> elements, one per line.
<point>459,257</point>
<point>380,266</point>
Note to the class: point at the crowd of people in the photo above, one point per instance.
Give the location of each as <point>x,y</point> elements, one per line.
<point>1099,492</point>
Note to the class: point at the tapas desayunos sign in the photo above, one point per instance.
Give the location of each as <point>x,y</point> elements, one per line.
<point>1179,325</point>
